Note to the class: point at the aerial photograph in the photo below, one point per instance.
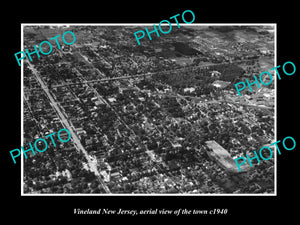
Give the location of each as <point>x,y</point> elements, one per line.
<point>160,118</point>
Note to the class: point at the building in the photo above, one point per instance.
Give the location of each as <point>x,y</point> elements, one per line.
<point>220,84</point>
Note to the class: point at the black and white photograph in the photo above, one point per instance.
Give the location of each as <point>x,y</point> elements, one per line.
<point>149,111</point>
<point>159,117</point>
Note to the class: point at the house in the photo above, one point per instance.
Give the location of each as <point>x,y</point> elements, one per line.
<point>190,90</point>
<point>215,73</point>
<point>220,84</point>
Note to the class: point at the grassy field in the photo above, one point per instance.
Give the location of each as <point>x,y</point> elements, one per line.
<point>40,34</point>
<point>266,63</point>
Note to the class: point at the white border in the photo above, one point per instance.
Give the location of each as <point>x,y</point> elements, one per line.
<point>22,113</point>
<point>151,24</point>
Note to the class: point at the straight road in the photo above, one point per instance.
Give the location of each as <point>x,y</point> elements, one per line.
<point>69,126</point>
<point>144,74</point>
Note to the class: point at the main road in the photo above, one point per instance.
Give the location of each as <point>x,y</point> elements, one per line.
<point>69,126</point>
